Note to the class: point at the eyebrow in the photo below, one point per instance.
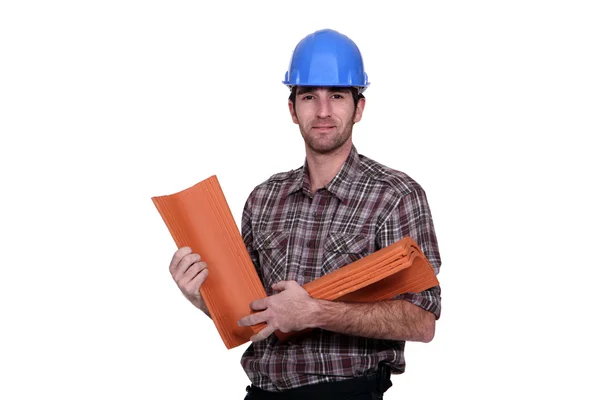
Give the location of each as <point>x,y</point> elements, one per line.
<point>306,89</point>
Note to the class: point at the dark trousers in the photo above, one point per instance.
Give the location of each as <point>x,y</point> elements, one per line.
<point>362,388</point>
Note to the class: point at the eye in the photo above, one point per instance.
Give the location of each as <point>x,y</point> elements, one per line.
<point>308,97</point>
<point>337,96</point>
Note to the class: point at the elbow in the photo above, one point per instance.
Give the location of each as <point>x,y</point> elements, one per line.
<point>428,331</point>
<point>428,335</point>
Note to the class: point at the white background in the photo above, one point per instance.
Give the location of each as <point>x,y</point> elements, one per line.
<point>493,107</point>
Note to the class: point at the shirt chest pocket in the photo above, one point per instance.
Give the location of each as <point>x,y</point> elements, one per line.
<point>344,248</point>
<point>272,248</point>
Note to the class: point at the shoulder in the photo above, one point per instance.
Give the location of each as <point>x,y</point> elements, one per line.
<point>399,183</point>
<point>276,185</point>
<point>282,177</point>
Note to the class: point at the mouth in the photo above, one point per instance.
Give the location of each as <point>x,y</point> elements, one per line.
<point>323,127</point>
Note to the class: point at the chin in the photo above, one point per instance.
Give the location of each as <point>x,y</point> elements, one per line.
<point>325,144</point>
<point>324,148</point>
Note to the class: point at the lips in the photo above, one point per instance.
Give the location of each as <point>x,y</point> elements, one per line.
<point>323,127</point>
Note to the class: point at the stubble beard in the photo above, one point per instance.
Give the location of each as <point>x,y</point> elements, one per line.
<point>319,146</point>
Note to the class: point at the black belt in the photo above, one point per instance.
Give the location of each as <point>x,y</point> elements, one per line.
<point>377,384</point>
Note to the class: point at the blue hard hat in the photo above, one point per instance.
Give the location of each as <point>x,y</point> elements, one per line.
<point>327,58</point>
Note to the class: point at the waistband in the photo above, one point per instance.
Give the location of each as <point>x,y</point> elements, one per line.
<point>376,383</point>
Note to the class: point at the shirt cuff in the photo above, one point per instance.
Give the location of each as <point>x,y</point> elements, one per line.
<point>429,300</point>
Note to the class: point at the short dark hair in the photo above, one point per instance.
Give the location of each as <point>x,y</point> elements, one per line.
<point>353,90</point>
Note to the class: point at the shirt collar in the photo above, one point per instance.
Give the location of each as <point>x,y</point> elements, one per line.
<point>341,183</point>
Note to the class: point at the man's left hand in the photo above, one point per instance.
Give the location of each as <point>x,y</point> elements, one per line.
<point>292,309</point>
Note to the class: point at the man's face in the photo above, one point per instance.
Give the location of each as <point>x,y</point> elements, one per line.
<point>325,116</point>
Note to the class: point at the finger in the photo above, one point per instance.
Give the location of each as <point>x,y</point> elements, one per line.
<point>258,305</point>
<point>263,334</point>
<point>281,285</point>
<point>197,281</point>
<point>253,319</point>
<point>177,256</point>
<point>184,264</point>
<point>193,271</point>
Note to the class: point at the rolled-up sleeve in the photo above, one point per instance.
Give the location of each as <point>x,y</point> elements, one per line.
<point>412,217</point>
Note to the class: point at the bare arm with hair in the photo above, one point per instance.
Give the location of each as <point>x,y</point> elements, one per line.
<point>393,319</point>
<point>292,309</point>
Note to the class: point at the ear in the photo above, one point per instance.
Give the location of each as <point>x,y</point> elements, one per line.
<point>360,107</point>
<point>292,112</point>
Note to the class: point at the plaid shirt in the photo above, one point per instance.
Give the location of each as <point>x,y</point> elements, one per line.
<point>293,234</point>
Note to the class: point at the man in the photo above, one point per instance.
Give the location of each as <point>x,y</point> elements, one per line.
<point>299,225</point>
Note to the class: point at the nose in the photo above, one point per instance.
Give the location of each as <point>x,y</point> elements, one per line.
<point>323,108</point>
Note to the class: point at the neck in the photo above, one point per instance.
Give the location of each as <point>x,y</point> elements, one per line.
<point>323,168</point>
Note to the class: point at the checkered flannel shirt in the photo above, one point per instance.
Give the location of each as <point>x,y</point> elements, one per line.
<point>293,234</point>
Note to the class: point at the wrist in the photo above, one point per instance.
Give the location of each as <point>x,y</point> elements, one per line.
<point>318,313</point>
<point>198,302</point>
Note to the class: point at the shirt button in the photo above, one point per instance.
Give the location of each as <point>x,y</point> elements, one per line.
<point>315,214</point>
<point>309,244</point>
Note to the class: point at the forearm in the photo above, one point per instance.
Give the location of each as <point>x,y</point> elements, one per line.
<point>394,320</point>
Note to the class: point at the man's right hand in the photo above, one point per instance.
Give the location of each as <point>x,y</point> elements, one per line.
<point>189,273</point>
